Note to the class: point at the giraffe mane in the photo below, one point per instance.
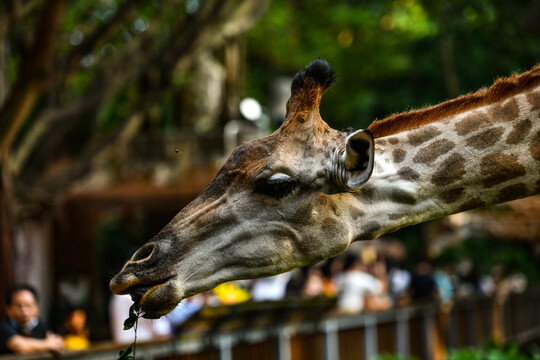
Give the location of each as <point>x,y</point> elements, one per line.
<point>502,89</point>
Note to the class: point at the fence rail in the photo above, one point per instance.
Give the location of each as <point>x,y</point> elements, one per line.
<point>300,329</point>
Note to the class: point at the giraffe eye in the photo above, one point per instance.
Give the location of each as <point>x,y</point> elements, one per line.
<point>277,186</point>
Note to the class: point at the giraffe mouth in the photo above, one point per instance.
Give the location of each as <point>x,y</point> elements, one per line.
<point>137,292</point>
<point>155,300</point>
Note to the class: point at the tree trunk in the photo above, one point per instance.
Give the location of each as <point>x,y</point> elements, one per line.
<point>18,104</point>
<point>7,261</point>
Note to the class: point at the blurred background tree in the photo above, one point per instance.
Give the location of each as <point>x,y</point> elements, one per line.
<point>394,55</point>
<point>78,79</point>
<point>81,83</point>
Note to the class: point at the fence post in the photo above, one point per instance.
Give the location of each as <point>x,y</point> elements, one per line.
<point>402,333</point>
<point>284,344</point>
<point>225,347</point>
<point>331,340</point>
<point>371,343</point>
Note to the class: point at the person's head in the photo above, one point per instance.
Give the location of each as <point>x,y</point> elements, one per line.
<point>353,262</point>
<point>22,303</point>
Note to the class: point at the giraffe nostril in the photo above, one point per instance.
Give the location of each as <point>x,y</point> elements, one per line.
<point>143,253</point>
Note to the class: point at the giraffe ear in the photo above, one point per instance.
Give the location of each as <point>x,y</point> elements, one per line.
<point>355,162</point>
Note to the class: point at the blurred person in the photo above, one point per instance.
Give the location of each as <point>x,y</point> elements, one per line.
<point>331,271</point>
<point>468,279</point>
<point>314,284</point>
<point>270,288</point>
<point>517,282</point>
<point>76,337</point>
<point>490,282</point>
<point>296,282</point>
<point>381,301</point>
<point>445,288</point>
<point>24,332</point>
<point>399,281</point>
<point>423,286</point>
<point>147,330</point>
<point>354,284</point>
<point>514,283</point>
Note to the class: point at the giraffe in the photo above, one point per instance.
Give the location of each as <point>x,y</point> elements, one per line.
<point>306,192</point>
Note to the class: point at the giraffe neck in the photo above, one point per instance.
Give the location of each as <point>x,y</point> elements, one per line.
<point>477,158</point>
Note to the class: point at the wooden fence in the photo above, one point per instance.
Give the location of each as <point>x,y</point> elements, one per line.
<point>308,329</point>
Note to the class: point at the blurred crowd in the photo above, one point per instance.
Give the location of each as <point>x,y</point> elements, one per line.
<point>365,278</point>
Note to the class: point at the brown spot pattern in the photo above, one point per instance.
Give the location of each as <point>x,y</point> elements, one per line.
<point>420,136</point>
<point>452,195</point>
<point>512,192</point>
<point>371,228</point>
<point>399,155</point>
<point>395,216</point>
<point>486,138</point>
<point>402,197</point>
<point>472,204</point>
<point>409,174</point>
<point>471,123</point>
<point>534,147</point>
<point>393,140</point>
<point>367,191</point>
<point>450,171</point>
<point>519,132</point>
<point>504,111</point>
<point>430,153</point>
<point>500,168</point>
<point>355,212</point>
<point>533,97</point>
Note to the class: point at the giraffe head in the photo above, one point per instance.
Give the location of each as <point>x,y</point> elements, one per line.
<point>273,207</point>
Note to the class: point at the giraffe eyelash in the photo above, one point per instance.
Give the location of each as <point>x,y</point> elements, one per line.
<point>277,186</point>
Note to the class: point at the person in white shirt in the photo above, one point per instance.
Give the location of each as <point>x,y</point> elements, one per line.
<point>354,285</point>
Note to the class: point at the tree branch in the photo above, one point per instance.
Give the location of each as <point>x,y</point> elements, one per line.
<point>99,35</point>
<point>184,44</point>
<point>34,73</point>
<point>19,12</point>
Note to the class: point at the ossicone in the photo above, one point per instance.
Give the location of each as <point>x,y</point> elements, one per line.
<point>307,88</point>
<point>317,74</point>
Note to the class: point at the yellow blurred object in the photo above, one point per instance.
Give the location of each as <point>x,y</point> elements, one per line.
<point>76,342</point>
<point>230,293</point>
<point>369,255</point>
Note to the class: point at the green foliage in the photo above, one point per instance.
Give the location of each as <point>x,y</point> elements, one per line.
<point>488,352</point>
<point>130,322</point>
<point>134,314</point>
<point>388,54</point>
<point>491,352</point>
<point>125,353</point>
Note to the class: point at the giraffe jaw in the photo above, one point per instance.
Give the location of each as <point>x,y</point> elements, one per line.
<point>155,300</point>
